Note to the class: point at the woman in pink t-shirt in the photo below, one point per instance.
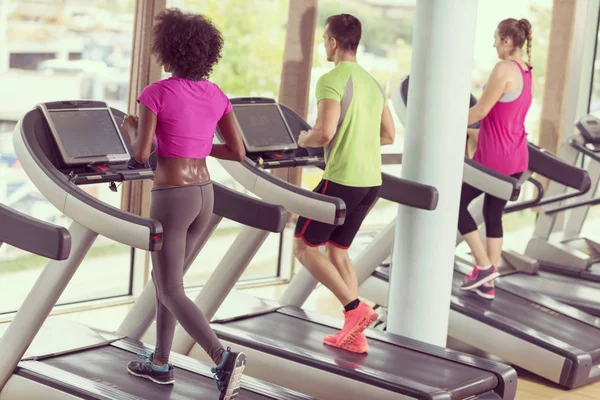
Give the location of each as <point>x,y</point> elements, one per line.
<point>180,114</point>
<point>501,146</point>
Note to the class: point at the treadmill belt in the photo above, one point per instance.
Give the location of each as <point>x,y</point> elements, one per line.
<point>531,314</point>
<point>108,365</point>
<point>404,364</point>
<point>576,292</point>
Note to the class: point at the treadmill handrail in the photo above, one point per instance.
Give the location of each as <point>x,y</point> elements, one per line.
<point>248,210</point>
<point>523,205</point>
<point>119,225</point>
<point>251,99</point>
<point>395,189</point>
<point>577,204</point>
<point>407,192</point>
<point>474,174</point>
<point>545,163</point>
<point>32,235</point>
<point>582,149</point>
<point>269,188</point>
<point>489,181</point>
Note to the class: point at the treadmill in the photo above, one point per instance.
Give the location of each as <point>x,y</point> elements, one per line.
<point>62,145</point>
<point>284,343</point>
<point>565,251</point>
<point>528,270</point>
<point>521,326</point>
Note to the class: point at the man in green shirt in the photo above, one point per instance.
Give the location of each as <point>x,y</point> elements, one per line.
<point>353,121</point>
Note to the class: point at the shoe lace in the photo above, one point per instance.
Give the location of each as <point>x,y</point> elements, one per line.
<point>220,375</point>
<point>473,274</point>
<point>217,380</point>
<point>146,357</point>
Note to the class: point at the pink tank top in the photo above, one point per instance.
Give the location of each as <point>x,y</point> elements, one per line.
<point>502,143</point>
<point>187,113</point>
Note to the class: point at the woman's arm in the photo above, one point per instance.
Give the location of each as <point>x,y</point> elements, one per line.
<point>492,92</point>
<point>473,135</point>
<point>233,148</point>
<point>141,133</point>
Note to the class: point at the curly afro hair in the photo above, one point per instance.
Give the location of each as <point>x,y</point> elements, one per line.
<point>188,45</point>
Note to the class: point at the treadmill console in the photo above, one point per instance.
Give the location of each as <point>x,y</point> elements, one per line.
<point>589,127</point>
<point>86,143</point>
<point>270,133</point>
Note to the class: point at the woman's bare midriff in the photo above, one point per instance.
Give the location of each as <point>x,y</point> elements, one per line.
<point>180,171</point>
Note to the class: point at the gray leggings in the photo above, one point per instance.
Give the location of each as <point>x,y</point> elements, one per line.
<point>184,212</point>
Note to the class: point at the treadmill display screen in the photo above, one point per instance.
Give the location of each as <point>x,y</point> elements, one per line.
<point>263,127</point>
<point>87,133</point>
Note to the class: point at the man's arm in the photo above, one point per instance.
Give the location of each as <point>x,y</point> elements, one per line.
<point>388,130</point>
<point>328,117</point>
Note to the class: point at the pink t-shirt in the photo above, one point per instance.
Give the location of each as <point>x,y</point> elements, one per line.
<point>187,115</point>
<point>502,143</point>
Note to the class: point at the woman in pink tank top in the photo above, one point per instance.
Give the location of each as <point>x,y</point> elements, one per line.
<point>501,146</point>
<point>180,114</point>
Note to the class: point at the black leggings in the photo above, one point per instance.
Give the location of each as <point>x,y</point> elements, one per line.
<point>493,208</point>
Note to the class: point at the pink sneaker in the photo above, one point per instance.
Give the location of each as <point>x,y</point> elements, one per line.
<point>486,291</point>
<point>356,321</point>
<point>360,345</point>
<point>478,277</point>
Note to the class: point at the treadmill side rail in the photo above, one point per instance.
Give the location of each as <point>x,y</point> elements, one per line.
<point>269,188</point>
<point>32,235</point>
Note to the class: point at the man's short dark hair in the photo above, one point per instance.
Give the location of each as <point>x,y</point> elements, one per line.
<point>346,29</point>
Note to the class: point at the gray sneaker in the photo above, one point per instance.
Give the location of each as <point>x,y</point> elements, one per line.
<point>229,373</point>
<point>162,375</point>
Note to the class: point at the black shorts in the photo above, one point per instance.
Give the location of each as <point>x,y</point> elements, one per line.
<point>358,203</point>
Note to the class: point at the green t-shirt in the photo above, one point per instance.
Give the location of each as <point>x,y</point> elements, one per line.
<point>353,156</point>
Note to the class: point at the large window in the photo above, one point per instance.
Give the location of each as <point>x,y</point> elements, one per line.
<point>60,50</point>
<point>538,12</point>
<point>594,105</point>
<point>593,109</point>
<point>386,50</point>
<point>254,35</point>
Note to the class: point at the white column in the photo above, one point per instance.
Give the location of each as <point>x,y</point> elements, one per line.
<point>440,86</point>
<point>4,48</point>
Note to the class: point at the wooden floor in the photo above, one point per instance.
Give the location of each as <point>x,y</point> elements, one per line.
<point>530,387</point>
